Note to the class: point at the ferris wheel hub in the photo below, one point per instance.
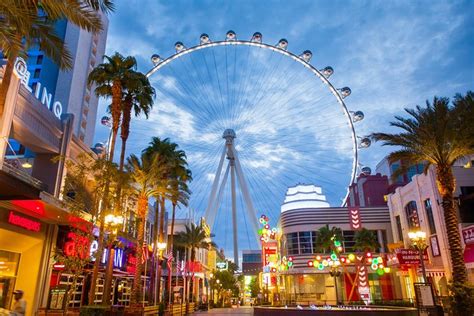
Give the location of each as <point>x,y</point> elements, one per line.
<point>229,134</point>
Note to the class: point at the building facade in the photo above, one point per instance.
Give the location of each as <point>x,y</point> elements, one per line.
<point>417,206</point>
<point>303,213</point>
<point>70,87</point>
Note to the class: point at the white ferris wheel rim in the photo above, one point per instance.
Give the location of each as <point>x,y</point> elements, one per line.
<point>307,65</point>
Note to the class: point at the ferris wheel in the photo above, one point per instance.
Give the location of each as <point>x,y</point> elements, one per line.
<point>288,123</point>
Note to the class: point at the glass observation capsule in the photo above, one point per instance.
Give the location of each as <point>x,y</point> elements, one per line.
<point>155,59</point>
<point>204,39</point>
<point>306,55</point>
<point>230,36</point>
<point>256,37</point>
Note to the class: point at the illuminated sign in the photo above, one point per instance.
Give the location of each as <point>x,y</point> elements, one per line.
<point>24,222</point>
<point>79,246</point>
<point>410,256</point>
<point>222,265</point>
<point>46,98</point>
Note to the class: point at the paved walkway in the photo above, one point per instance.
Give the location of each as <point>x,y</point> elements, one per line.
<point>243,310</point>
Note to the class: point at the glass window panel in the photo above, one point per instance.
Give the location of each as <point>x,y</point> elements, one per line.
<point>412,215</point>
<point>429,215</point>
<point>305,242</point>
<point>292,243</point>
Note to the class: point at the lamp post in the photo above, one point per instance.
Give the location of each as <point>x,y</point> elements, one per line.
<point>335,273</point>
<point>111,222</point>
<point>161,246</point>
<point>210,292</point>
<point>418,242</point>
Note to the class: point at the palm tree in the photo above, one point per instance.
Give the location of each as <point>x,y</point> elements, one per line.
<point>173,177</point>
<point>325,238</point>
<point>142,171</point>
<point>365,240</point>
<point>194,237</point>
<point>31,23</point>
<point>139,98</point>
<point>438,136</point>
<point>110,79</point>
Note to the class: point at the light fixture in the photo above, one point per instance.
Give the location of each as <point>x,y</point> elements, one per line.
<point>27,164</point>
<point>161,246</point>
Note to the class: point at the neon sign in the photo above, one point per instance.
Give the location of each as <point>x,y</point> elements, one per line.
<point>46,98</point>
<point>24,222</point>
<point>79,246</point>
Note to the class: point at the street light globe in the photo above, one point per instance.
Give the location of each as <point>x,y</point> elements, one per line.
<point>161,245</point>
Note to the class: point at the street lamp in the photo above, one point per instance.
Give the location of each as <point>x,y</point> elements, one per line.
<point>161,246</point>
<point>112,223</point>
<point>418,242</point>
<point>335,273</point>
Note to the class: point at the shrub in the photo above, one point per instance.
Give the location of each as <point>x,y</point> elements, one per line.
<point>461,299</point>
<point>94,310</point>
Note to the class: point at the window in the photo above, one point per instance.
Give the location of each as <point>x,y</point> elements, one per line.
<point>314,235</point>
<point>395,167</point>
<point>348,240</point>
<point>292,243</point>
<point>412,215</point>
<point>37,73</point>
<point>305,242</point>
<point>39,59</point>
<point>429,215</point>
<point>399,228</point>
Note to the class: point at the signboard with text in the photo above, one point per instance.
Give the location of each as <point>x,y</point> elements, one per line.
<point>410,256</point>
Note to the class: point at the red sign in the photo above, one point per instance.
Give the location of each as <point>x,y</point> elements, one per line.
<point>193,266</point>
<point>24,222</point>
<point>354,218</point>
<point>468,235</point>
<point>79,246</point>
<point>410,256</point>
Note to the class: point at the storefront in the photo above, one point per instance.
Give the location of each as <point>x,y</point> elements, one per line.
<point>24,253</point>
<point>123,273</point>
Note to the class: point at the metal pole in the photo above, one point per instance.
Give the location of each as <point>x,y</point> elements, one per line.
<point>423,270</point>
<point>234,212</point>
<point>108,274</point>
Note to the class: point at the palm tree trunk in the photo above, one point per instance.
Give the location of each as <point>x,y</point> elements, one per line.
<point>137,282</point>
<point>6,80</point>
<point>446,186</point>
<point>155,253</point>
<point>173,214</point>
<point>125,129</point>
<point>116,113</point>
<point>100,249</point>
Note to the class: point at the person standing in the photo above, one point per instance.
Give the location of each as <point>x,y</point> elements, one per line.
<point>19,307</point>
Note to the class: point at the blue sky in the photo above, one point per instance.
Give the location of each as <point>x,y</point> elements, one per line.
<point>392,54</point>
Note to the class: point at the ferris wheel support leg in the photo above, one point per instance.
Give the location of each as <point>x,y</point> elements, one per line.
<point>234,213</point>
<point>252,215</point>
<point>217,202</point>
<point>212,197</point>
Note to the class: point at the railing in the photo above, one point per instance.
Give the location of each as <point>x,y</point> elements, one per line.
<point>23,176</point>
